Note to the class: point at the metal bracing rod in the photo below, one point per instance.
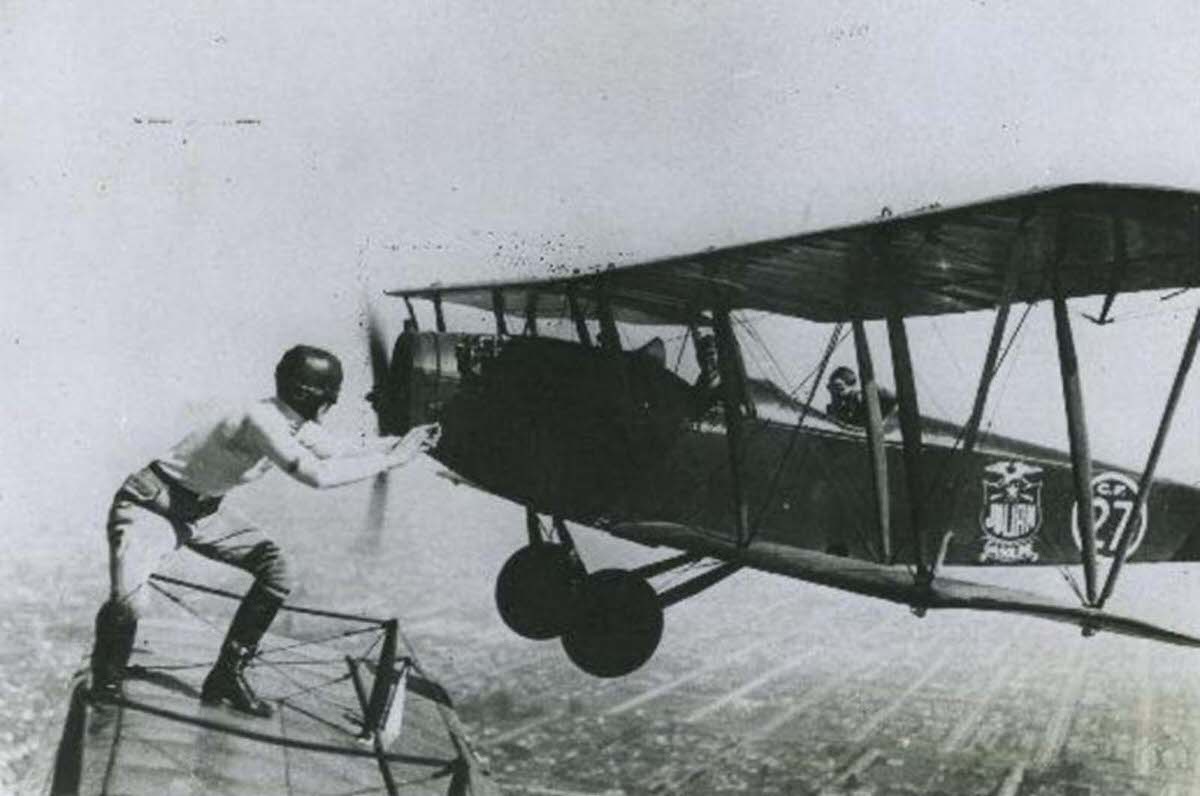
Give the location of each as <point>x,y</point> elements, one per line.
<point>910,432</point>
<point>533,527</point>
<point>656,568</point>
<point>876,453</point>
<point>564,536</point>
<point>1146,482</point>
<point>439,319</point>
<point>498,312</point>
<point>412,315</point>
<point>1081,459</point>
<point>581,329</point>
<point>692,587</point>
<point>731,408</point>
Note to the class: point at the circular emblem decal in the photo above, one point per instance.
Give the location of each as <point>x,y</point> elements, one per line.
<point>1113,497</point>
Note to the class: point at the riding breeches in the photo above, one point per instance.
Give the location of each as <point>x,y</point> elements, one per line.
<point>152,517</point>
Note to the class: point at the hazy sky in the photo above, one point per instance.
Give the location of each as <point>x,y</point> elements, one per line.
<point>189,190</point>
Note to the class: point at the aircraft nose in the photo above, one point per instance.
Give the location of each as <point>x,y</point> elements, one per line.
<point>421,378</point>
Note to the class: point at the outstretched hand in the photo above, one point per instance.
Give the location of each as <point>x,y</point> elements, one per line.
<point>418,440</point>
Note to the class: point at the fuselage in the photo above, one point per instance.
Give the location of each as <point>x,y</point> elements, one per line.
<point>608,438</point>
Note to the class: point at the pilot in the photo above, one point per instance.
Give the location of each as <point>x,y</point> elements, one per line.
<point>706,390</point>
<point>846,403</point>
<point>173,502</point>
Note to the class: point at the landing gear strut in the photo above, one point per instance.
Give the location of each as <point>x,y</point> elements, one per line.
<point>611,621</point>
<point>537,591</point>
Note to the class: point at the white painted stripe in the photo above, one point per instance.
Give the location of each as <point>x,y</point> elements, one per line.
<point>1056,731</point>
<point>868,727</point>
<point>1145,714</point>
<point>714,664</point>
<point>521,729</point>
<point>856,768</point>
<point>867,670</point>
<point>762,679</point>
<point>1010,672</point>
<point>1011,786</point>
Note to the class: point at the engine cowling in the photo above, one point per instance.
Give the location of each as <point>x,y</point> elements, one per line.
<point>423,377</point>
<point>542,421</point>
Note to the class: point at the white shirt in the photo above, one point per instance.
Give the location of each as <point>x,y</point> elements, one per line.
<point>242,445</point>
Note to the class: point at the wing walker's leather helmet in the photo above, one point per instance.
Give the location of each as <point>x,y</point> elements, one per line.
<point>308,379</point>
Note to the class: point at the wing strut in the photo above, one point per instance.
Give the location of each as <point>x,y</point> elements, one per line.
<point>498,312</point>
<point>1146,482</point>
<point>910,432</point>
<point>732,392</point>
<point>870,389</point>
<point>531,317</point>
<point>1081,459</point>
<point>438,316</point>
<point>581,327</point>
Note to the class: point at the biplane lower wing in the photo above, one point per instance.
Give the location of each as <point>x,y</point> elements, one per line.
<point>354,713</point>
<point>892,583</point>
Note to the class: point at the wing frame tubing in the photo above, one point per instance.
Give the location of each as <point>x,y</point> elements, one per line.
<point>875,449</point>
<point>1146,482</point>
<point>389,782</point>
<point>295,609</point>
<point>380,689</point>
<point>1077,433</point>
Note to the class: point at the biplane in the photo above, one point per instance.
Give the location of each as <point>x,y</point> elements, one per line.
<point>732,471</point>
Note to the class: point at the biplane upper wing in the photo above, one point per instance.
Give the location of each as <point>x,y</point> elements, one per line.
<point>893,583</point>
<point>1074,240</point>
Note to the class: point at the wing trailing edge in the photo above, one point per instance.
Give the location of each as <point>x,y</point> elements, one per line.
<point>893,583</point>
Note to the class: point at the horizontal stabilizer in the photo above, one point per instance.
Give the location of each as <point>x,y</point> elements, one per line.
<point>893,583</point>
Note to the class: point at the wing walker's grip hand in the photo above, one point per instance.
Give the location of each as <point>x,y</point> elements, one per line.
<point>417,441</point>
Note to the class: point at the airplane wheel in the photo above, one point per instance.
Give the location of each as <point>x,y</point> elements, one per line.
<point>536,591</point>
<point>619,625</point>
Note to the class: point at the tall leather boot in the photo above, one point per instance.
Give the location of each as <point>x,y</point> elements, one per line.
<point>116,628</point>
<point>227,680</point>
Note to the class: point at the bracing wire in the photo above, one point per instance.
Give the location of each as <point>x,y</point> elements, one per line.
<point>773,484</point>
<point>752,330</point>
<point>682,348</point>
<point>954,460</point>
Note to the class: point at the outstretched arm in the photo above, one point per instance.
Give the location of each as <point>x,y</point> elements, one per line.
<point>270,434</point>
